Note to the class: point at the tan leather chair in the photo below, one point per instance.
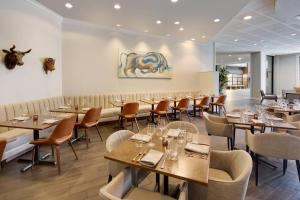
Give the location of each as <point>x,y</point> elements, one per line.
<point>276,145</point>
<point>188,126</point>
<point>182,107</point>
<point>121,188</point>
<point>161,109</point>
<point>219,104</point>
<point>61,134</point>
<point>229,173</point>
<point>129,112</point>
<point>90,119</point>
<point>2,147</point>
<point>219,126</point>
<point>203,105</point>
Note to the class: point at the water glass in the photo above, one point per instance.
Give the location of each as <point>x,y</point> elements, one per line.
<point>189,137</point>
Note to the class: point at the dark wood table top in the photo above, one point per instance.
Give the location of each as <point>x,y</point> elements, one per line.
<point>30,124</point>
<point>186,168</point>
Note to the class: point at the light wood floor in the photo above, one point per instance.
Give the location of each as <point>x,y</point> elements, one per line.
<point>82,179</point>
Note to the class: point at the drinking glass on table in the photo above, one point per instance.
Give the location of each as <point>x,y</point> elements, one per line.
<point>161,126</point>
<point>150,132</point>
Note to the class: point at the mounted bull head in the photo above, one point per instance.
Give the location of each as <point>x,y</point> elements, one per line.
<point>13,58</point>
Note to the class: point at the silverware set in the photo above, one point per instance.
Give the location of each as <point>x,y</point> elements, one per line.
<point>164,160</point>
<point>140,155</point>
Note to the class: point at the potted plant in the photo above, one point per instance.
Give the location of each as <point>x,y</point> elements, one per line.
<point>223,79</point>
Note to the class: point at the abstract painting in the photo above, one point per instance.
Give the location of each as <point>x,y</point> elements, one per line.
<point>143,65</point>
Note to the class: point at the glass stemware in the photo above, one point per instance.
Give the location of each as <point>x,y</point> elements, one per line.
<point>150,131</point>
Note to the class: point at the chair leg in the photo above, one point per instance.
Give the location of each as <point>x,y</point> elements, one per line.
<point>167,117</point>
<point>298,168</point>
<point>228,144</point>
<point>98,131</point>
<point>32,156</point>
<point>187,114</point>
<point>52,150</point>
<point>137,125</point>
<point>131,124</point>
<point>256,169</point>
<point>261,101</point>
<point>284,166</point>
<point>109,178</point>
<point>57,151</point>
<point>233,139</point>
<point>71,145</point>
<point>86,138</point>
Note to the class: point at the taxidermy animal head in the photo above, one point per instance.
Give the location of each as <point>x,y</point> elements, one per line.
<point>13,57</point>
<point>49,64</point>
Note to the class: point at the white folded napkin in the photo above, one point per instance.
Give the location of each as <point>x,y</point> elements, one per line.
<point>173,132</point>
<point>257,121</point>
<point>141,137</point>
<point>198,148</point>
<point>85,109</point>
<point>64,107</point>
<point>50,121</point>
<point>274,118</point>
<point>248,113</point>
<point>22,118</point>
<point>151,158</point>
<point>233,115</point>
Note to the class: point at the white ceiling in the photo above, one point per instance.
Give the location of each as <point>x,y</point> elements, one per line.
<point>232,58</point>
<point>270,28</point>
<point>196,16</point>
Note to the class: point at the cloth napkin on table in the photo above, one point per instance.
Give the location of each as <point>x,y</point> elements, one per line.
<point>257,121</point>
<point>248,113</point>
<point>233,115</point>
<point>274,118</point>
<point>22,118</point>
<point>85,109</point>
<point>198,148</point>
<point>50,121</point>
<point>141,137</point>
<point>173,132</point>
<point>151,158</point>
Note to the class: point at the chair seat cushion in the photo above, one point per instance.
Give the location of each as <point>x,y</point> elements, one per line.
<point>219,175</point>
<point>141,194</point>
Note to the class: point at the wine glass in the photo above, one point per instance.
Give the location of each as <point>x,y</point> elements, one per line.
<point>161,126</point>
<point>150,131</point>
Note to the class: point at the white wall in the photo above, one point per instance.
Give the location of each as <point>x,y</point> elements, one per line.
<point>29,25</point>
<point>255,80</point>
<point>286,72</point>
<point>90,60</point>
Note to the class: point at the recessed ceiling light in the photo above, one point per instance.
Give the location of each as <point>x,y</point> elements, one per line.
<point>69,5</point>
<point>158,22</point>
<point>174,1</point>
<point>293,34</point>
<point>118,25</point>
<point>239,58</point>
<point>146,31</point>
<point>181,28</point>
<point>168,35</point>
<point>236,40</point>
<point>248,17</point>
<point>193,39</point>
<point>177,23</point>
<point>254,44</point>
<point>298,17</point>
<point>203,36</point>
<point>262,41</point>
<point>117,6</point>
<point>217,20</point>
<point>229,55</point>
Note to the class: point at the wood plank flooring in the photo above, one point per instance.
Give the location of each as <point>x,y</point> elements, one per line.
<point>82,179</point>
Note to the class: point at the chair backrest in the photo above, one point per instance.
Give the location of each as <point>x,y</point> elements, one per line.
<point>63,130</point>
<point>2,147</point>
<point>189,127</point>
<point>130,108</point>
<point>238,164</point>
<point>262,93</point>
<point>91,116</point>
<point>218,126</point>
<point>183,103</point>
<point>204,101</point>
<point>221,99</point>
<point>163,105</point>
<point>117,138</point>
<point>276,145</point>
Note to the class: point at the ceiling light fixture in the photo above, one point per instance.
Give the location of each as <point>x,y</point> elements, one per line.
<point>181,28</point>
<point>117,6</point>
<point>239,58</point>
<point>193,39</point>
<point>146,31</point>
<point>158,22</point>
<point>262,41</point>
<point>298,17</point>
<point>229,55</point>
<point>248,17</point>
<point>174,1</point>
<point>118,25</point>
<point>217,20</point>
<point>168,35</point>
<point>236,40</point>
<point>69,5</point>
<point>203,36</point>
<point>254,44</point>
<point>293,34</point>
<point>177,23</point>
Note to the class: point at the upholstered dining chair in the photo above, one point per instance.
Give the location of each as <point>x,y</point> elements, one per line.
<point>161,109</point>
<point>275,145</point>
<point>2,147</point>
<point>188,126</point>
<point>129,112</point>
<point>121,188</point>
<point>61,134</point>
<point>90,119</point>
<point>219,126</point>
<point>219,104</point>
<point>112,142</point>
<point>182,107</point>
<point>267,96</point>
<point>203,105</point>
<point>229,173</point>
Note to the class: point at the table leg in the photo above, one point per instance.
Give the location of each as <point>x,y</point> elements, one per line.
<point>152,114</point>
<point>157,184</point>
<point>174,110</point>
<point>194,107</point>
<point>166,185</point>
<point>76,130</point>
<point>134,178</point>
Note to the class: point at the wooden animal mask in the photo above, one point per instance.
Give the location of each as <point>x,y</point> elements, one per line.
<point>13,58</point>
<point>49,64</point>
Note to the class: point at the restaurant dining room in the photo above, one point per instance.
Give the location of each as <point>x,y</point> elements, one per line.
<point>150,99</point>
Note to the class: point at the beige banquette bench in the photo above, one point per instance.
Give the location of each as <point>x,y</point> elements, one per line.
<point>18,138</point>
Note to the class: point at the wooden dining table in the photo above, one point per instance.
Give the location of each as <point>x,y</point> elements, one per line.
<point>288,110</point>
<point>36,126</point>
<point>189,168</point>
